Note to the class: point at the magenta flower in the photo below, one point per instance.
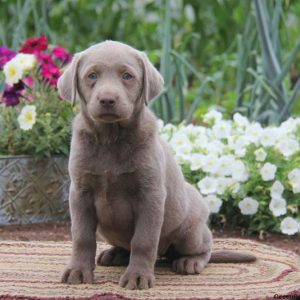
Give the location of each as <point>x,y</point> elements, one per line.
<point>5,56</point>
<point>11,95</point>
<point>51,73</point>
<point>44,59</point>
<point>61,54</point>
<point>49,70</point>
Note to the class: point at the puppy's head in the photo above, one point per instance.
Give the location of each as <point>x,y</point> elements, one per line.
<point>112,80</point>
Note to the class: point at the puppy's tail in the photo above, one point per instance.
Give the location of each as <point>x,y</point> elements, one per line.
<point>231,257</point>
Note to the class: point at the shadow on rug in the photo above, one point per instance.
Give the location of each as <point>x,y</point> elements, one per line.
<point>31,270</point>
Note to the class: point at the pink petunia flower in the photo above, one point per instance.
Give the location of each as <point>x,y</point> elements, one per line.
<point>44,59</point>
<point>5,56</point>
<point>62,54</point>
<point>51,74</point>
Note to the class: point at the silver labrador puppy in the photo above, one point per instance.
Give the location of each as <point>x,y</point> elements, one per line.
<point>125,183</point>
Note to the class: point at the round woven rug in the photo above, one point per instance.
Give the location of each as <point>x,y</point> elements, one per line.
<point>31,270</point>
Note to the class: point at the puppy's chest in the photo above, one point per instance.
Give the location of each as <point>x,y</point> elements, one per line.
<point>121,185</point>
<point>111,160</point>
<point>112,179</point>
<point>115,202</point>
<point>115,182</point>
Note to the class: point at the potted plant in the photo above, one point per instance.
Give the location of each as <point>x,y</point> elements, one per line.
<point>35,134</point>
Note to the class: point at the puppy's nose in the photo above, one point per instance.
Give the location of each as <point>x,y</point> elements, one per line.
<point>107,102</point>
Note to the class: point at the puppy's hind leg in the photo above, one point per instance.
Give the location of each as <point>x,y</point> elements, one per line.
<point>114,256</point>
<point>193,250</point>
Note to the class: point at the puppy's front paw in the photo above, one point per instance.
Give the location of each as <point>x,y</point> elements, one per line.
<point>77,275</point>
<point>137,279</point>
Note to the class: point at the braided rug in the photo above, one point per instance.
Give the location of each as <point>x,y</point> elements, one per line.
<point>31,270</point>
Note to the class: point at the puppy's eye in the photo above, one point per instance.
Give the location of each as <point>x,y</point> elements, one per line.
<point>127,76</point>
<point>93,76</point>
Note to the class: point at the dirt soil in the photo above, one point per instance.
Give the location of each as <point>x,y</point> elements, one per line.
<point>61,232</point>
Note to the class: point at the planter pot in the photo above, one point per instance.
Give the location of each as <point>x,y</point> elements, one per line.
<point>33,191</point>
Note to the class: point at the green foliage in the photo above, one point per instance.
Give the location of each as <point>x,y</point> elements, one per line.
<point>185,87</point>
<point>263,91</point>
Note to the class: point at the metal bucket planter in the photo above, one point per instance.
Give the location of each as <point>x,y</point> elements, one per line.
<point>33,191</point>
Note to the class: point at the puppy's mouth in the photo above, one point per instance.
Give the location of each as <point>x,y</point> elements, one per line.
<point>109,118</point>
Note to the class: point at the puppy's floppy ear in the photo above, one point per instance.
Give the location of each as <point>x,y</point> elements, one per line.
<point>67,82</point>
<point>153,82</point>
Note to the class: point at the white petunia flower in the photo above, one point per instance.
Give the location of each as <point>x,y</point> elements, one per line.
<point>198,130</point>
<point>294,175</point>
<point>225,165</point>
<point>214,203</point>
<point>191,131</point>
<point>27,117</point>
<point>289,226</point>
<point>248,206</point>
<point>208,185</point>
<point>13,72</point>
<point>260,154</point>
<point>27,61</point>
<point>223,183</point>
<point>239,171</point>
<point>179,140</point>
<point>277,189</point>
<point>269,137</point>
<point>170,128</point>
<point>268,171</point>
<point>238,144</point>
<point>242,141</point>
<point>183,153</point>
<point>253,132</point>
<point>240,152</point>
<point>278,206</point>
<point>212,116</point>
<point>289,126</point>
<point>196,161</point>
<point>233,186</point>
<point>210,163</point>
<point>287,146</point>
<point>294,179</point>
<point>201,141</point>
<point>240,120</point>
<point>296,187</point>
<point>215,147</point>
<point>222,129</point>
<point>184,149</point>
